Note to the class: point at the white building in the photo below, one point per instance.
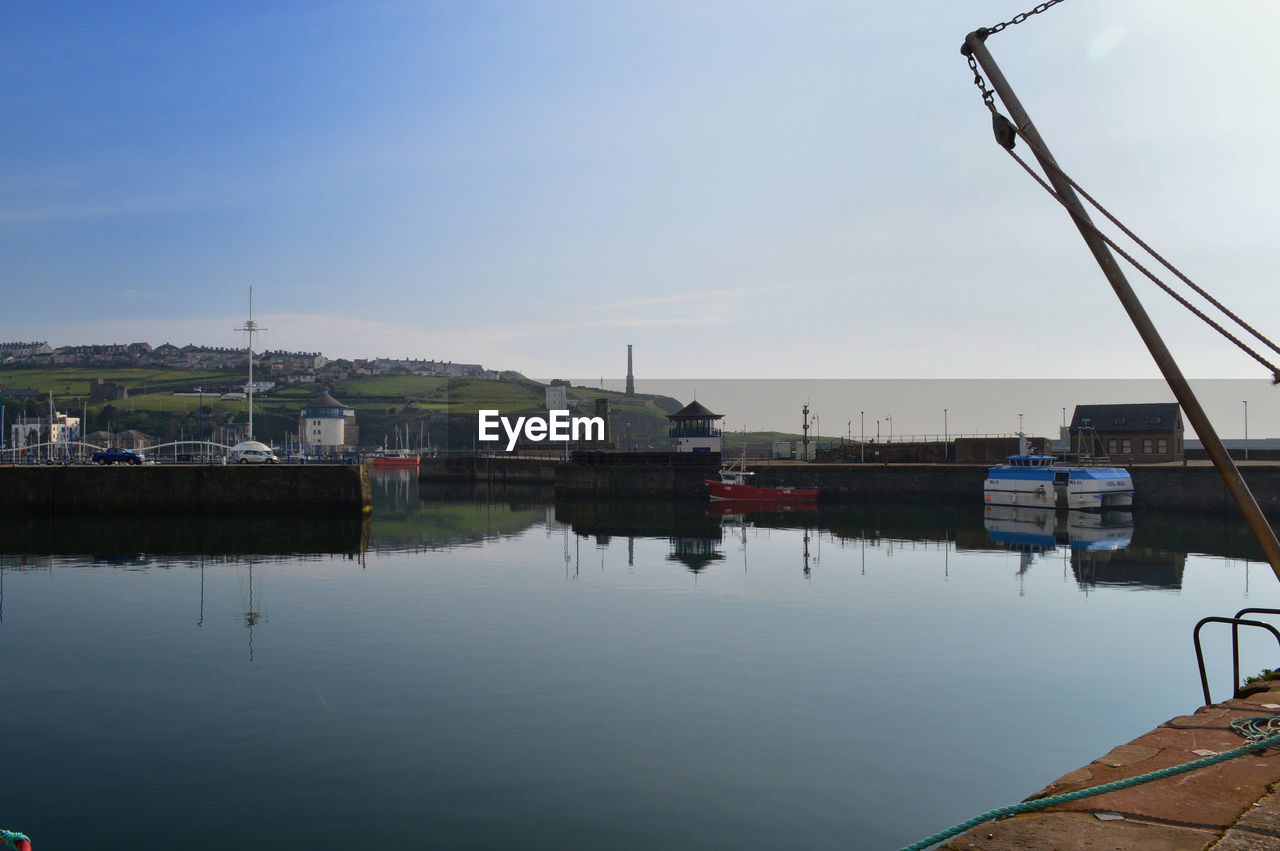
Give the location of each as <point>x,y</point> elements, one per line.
<point>695,429</point>
<point>27,435</point>
<point>326,425</point>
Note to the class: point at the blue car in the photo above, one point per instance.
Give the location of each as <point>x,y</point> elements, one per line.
<point>116,456</point>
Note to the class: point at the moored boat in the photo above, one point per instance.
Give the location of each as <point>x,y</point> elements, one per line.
<point>732,484</point>
<point>1039,481</point>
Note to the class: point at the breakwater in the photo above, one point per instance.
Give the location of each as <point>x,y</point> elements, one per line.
<point>186,488</point>
<point>1193,487</point>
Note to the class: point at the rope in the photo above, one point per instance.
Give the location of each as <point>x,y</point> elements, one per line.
<point>1163,262</point>
<point>1275,371</point>
<point>1262,732</point>
<point>11,838</point>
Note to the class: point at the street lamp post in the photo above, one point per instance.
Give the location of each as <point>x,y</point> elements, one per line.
<point>862,437</point>
<point>946,436</point>
<point>890,419</point>
<point>1246,429</point>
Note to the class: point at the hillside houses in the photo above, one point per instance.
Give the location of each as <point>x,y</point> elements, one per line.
<point>14,351</point>
<point>286,367</point>
<point>413,366</point>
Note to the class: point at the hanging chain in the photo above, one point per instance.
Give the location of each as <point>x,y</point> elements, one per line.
<point>1019,18</point>
<point>987,95</point>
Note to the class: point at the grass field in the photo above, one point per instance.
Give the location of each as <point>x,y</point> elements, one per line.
<point>71,382</point>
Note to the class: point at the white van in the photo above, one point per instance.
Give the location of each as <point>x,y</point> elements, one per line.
<point>251,452</point>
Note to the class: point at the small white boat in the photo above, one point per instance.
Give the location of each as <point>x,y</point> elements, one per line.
<point>1037,481</point>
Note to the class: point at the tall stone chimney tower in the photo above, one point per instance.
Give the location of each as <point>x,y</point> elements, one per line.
<point>631,379</point>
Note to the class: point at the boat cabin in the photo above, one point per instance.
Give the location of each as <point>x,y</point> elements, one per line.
<point>1031,460</point>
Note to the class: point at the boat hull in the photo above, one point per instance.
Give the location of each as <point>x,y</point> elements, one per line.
<point>728,490</point>
<point>1075,488</point>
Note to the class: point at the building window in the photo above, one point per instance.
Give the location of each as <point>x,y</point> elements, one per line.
<point>1119,420</point>
<point>1126,446</point>
<point>1111,446</point>
<point>1162,446</point>
<point>1148,446</point>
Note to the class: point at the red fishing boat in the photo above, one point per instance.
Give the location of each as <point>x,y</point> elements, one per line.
<point>733,485</point>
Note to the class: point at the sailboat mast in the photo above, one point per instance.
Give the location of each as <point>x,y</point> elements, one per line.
<point>250,327</point>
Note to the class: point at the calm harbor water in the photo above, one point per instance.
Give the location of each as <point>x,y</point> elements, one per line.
<point>493,669</point>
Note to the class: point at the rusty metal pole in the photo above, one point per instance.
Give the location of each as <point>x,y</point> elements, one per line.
<point>975,45</point>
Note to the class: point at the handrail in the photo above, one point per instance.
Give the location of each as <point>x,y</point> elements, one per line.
<point>1235,637</point>
<point>1235,624</point>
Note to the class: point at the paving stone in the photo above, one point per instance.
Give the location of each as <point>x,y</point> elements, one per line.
<point>1127,755</point>
<point>1204,715</point>
<point>1070,831</point>
<point>1257,829</point>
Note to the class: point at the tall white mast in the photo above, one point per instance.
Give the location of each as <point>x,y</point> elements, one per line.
<point>250,327</point>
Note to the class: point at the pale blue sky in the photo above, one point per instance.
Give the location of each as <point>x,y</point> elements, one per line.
<point>803,189</point>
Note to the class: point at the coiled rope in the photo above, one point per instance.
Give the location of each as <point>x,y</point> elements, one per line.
<point>1262,732</point>
<point>13,839</point>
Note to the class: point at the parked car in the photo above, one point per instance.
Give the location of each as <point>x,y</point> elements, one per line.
<point>251,452</point>
<point>116,456</point>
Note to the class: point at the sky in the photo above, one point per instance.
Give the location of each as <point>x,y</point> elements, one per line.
<point>768,190</point>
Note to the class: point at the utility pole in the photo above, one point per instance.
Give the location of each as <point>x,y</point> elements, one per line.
<point>976,48</point>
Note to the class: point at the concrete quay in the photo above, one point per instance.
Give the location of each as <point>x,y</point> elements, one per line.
<point>1230,806</point>
<point>185,488</point>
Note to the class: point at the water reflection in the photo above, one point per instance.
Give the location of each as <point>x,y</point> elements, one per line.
<point>1121,549</point>
<point>133,540</point>
<point>1099,546</point>
<point>741,669</point>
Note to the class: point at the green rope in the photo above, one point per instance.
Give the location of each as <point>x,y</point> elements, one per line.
<point>10,837</point>
<point>1263,732</point>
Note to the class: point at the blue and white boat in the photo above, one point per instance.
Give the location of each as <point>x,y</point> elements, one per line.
<point>1038,481</point>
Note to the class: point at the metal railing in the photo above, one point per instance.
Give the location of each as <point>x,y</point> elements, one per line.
<point>1236,622</point>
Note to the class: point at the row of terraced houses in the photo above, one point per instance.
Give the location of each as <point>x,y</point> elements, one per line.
<point>286,367</point>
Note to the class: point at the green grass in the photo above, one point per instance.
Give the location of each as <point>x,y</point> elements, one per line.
<point>737,438</point>
<point>70,382</point>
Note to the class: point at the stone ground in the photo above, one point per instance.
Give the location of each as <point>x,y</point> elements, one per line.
<point>1227,807</point>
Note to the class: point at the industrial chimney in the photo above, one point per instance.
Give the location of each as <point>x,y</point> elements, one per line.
<point>631,379</point>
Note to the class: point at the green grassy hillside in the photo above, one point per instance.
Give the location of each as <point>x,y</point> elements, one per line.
<point>385,405</point>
